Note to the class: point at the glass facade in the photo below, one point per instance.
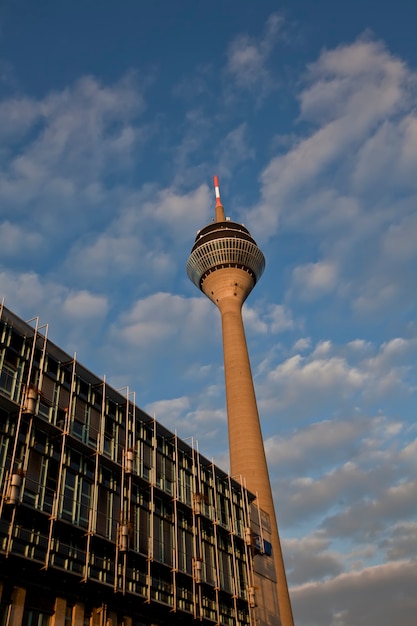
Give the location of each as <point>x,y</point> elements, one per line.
<point>107,503</point>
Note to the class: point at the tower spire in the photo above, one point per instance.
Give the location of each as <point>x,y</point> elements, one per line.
<point>219,207</point>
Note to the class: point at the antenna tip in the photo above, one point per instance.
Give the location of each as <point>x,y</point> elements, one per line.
<point>217,190</point>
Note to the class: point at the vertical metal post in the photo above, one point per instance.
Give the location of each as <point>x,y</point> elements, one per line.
<point>129,450</point>
<point>175,507</point>
<point>196,587</point>
<point>24,397</point>
<point>92,518</point>
<point>248,551</point>
<point>232,538</point>
<point>151,513</point>
<point>12,468</point>
<point>216,546</point>
<point>67,427</point>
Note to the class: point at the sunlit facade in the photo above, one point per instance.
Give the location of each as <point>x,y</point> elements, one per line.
<point>106,517</point>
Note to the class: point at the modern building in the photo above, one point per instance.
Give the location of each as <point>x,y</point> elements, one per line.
<point>225,263</point>
<point>106,517</point>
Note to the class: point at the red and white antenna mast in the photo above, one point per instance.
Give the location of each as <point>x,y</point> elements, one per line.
<point>219,207</point>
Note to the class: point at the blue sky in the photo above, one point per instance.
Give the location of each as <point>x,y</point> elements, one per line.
<point>113,119</point>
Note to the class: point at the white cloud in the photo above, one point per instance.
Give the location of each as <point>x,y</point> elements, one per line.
<point>361,78</point>
<point>309,498</point>
<point>253,320</point>
<point>351,478</point>
<point>329,377</point>
<point>318,444</point>
<point>234,149</point>
<point>107,255</point>
<point>333,373</point>
<point>169,412</point>
<point>409,453</point>
<point>17,115</point>
<point>367,517</point>
<point>309,558</point>
<point>76,135</point>
<point>382,594</point>
<point>390,366</point>
<point>245,61</point>
<point>402,544</point>
<point>75,316</point>
<point>192,417</point>
<point>142,238</point>
<point>359,345</point>
<point>82,305</point>
<point>247,56</point>
<point>152,320</point>
<point>304,343</point>
<point>15,240</point>
<point>86,116</point>
<point>274,318</point>
<point>280,318</point>
<point>32,294</point>
<point>349,182</point>
<point>399,241</point>
<point>173,210</point>
<point>322,348</point>
<point>315,279</point>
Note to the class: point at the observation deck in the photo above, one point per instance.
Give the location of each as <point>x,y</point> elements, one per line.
<point>224,244</point>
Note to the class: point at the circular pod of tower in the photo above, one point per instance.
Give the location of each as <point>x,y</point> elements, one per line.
<point>224,244</point>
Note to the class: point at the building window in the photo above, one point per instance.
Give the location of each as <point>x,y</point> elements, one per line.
<point>35,618</point>
<point>7,380</point>
<point>76,498</point>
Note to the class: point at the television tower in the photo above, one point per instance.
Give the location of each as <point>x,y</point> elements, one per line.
<point>225,263</point>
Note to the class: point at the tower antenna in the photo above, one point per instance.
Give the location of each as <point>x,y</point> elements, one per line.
<point>219,207</point>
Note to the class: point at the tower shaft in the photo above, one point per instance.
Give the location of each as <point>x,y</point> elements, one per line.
<point>228,288</point>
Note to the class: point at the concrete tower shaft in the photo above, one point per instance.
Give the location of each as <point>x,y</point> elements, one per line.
<point>228,289</point>
<point>225,263</point>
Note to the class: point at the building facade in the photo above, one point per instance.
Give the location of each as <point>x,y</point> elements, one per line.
<point>106,517</point>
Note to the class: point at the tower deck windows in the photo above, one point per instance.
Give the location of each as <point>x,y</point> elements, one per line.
<point>225,252</point>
